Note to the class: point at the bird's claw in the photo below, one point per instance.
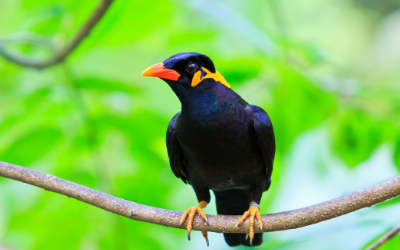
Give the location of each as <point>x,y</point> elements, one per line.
<point>190,213</point>
<point>204,233</point>
<point>205,219</point>
<point>253,213</point>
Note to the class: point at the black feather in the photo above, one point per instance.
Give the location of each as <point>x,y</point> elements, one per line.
<point>219,142</point>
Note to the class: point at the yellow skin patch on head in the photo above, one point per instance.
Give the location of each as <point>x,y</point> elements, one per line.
<point>216,76</point>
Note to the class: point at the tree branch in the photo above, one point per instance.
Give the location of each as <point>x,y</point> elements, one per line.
<point>64,52</point>
<point>384,239</point>
<point>362,198</point>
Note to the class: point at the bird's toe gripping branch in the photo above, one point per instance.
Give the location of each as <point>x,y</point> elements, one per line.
<point>190,213</point>
<point>253,213</point>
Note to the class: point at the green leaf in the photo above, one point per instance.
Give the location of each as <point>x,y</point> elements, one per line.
<point>238,70</point>
<point>106,85</point>
<point>31,146</point>
<point>128,20</point>
<point>396,153</point>
<point>393,243</point>
<point>299,105</point>
<point>357,135</point>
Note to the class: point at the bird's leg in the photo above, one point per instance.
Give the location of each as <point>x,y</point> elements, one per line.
<point>253,212</point>
<point>190,213</point>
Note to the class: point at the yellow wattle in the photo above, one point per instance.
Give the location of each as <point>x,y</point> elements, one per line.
<point>216,76</point>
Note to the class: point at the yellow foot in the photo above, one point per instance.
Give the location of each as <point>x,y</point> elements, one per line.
<point>190,213</point>
<point>253,212</point>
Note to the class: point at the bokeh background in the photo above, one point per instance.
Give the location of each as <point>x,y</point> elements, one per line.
<point>327,72</point>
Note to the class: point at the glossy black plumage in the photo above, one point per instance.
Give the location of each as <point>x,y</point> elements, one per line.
<point>219,142</point>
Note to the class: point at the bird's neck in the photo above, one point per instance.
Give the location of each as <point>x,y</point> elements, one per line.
<point>203,99</point>
<point>206,102</point>
<point>198,103</point>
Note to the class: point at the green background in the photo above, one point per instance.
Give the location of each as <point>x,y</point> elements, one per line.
<point>327,72</point>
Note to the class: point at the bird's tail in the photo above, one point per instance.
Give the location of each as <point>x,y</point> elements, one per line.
<point>235,202</point>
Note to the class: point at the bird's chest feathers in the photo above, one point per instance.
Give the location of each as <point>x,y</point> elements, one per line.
<point>212,127</point>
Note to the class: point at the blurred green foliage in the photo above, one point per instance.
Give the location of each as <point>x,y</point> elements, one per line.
<point>312,65</point>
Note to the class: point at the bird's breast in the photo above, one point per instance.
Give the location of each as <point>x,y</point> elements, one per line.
<point>213,130</point>
<point>220,146</point>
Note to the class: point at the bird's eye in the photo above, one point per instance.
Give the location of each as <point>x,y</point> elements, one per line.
<point>191,68</point>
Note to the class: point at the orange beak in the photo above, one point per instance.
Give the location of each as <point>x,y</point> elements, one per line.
<point>158,70</point>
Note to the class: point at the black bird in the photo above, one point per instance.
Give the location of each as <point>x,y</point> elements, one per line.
<point>218,141</point>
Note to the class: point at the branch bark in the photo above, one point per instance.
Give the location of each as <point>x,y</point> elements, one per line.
<point>384,239</point>
<point>62,54</point>
<point>302,217</point>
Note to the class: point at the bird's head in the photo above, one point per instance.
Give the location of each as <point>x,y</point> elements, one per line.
<point>186,71</point>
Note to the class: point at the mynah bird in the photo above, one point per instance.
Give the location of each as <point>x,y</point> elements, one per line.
<point>217,142</point>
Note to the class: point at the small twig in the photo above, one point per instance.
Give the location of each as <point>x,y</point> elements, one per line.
<point>384,239</point>
<point>64,52</point>
<point>362,198</point>
<point>22,38</point>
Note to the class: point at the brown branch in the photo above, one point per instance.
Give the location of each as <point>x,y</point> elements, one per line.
<point>62,54</point>
<point>384,239</point>
<point>362,198</point>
